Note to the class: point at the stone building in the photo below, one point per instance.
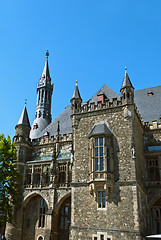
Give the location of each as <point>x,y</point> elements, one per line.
<point>94,172</point>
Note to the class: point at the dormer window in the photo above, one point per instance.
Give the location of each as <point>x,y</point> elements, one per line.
<point>35,126</point>
<point>101,97</point>
<point>150,93</point>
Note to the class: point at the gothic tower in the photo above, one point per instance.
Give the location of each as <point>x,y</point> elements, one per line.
<point>43,105</point>
<point>127,90</point>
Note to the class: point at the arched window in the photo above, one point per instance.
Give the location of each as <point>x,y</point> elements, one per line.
<point>156,213</point>
<point>42,213</point>
<point>40,238</point>
<point>64,216</point>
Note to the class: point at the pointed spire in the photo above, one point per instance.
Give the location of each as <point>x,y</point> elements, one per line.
<point>46,73</point>
<point>126,81</point>
<point>76,93</point>
<point>24,120</point>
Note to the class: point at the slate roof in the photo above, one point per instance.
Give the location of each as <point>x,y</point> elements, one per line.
<point>76,93</point>
<point>46,73</point>
<point>24,120</point>
<point>126,82</point>
<point>65,124</point>
<point>149,106</point>
<point>100,128</point>
<point>108,92</point>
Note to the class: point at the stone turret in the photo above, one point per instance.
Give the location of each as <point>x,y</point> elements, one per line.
<point>43,105</point>
<point>21,139</point>
<point>127,90</point>
<point>23,125</point>
<point>76,100</point>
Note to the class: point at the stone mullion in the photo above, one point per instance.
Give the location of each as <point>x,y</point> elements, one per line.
<point>41,173</point>
<point>104,154</point>
<point>32,175</point>
<point>40,95</point>
<point>67,173</point>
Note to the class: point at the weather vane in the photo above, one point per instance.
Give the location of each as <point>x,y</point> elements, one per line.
<point>47,53</point>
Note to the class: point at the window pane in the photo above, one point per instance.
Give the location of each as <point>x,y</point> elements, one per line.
<point>102,237</point>
<point>43,223</point>
<point>96,152</point>
<point>99,194</point>
<point>101,164</point>
<point>96,164</point>
<point>108,153</point>
<point>96,142</point>
<point>66,210</point>
<point>66,223</point>
<point>103,202</point>
<point>108,164</point>
<point>62,223</point>
<point>101,141</point>
<point>103,194</point>
<point>101,151</point>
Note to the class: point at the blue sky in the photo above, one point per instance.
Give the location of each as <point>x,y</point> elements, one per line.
<point>89,40</point>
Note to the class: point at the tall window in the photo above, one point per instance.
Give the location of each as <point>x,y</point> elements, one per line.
<point>101,199</point>
<point>42,212</point>
<point>65,216</point>
<point>98,154</point>
<point>153,170</point>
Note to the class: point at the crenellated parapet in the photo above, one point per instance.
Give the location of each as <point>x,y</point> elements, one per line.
<point>52,139</point>
<point>153,126</point>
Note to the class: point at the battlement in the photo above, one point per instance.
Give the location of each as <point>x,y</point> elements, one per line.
<point>154,125</point>
<point>94,107</point>
<point>47,139</point>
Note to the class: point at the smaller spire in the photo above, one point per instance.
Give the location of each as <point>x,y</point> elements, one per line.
<point>126,81</point>
<point>24,120</point>
<point>76,93</point>
<point>46,73</point>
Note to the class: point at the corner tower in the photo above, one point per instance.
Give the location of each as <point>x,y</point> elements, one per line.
<point>43,105</point>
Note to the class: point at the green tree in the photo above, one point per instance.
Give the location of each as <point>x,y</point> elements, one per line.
<point>9,178</point>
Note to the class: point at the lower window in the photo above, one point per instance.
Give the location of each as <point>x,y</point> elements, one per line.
<point>101,200</point>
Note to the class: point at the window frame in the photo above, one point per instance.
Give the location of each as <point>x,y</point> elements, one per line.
<point>42,213</point>
<point>100,190</point>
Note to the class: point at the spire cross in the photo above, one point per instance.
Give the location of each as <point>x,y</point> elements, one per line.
<point>76,82</point>
<point>25,102</point>
<point>125,69</point>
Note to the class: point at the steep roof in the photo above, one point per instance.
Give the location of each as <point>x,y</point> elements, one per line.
<point>76,93</point>
<point>100,128</point>
<point>46,73</point>
<point>24,120</point>
<point>108,92</point>
<point>65,124</point>
<point>148,102</point>
<point>126,82</point>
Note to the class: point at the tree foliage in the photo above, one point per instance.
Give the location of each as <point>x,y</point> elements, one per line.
<point>9,177</point>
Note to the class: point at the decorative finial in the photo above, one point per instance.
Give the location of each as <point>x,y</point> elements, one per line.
<point>125,69</point>
<point>47,53</point>
<point>25,102</point>
<point>76,82</point>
